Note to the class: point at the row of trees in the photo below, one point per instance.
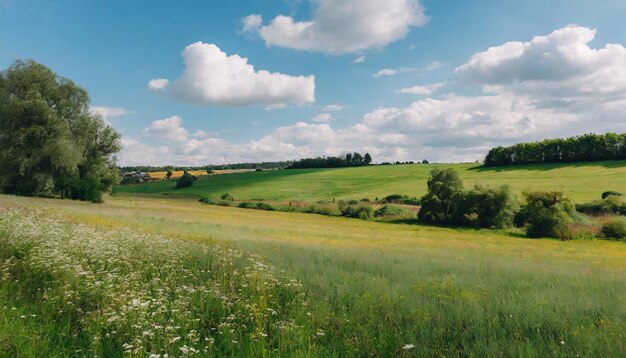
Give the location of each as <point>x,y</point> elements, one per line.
<point>50,142</point>
<point>588,147</point>
<point>350,160</point>
<point>260,165</point>
<point>448,203</point>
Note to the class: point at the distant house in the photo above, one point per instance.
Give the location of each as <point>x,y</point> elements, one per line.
<point>135,178</point>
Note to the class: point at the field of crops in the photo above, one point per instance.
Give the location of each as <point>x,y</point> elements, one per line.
<point>581,181</point>
<point>179,173</point>
<point>168,275</point>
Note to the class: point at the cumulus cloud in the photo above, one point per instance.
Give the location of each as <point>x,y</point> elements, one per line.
<point>211,77</point>
<point>323,117</point>
<point>169,129</point>
<point>393,71</point>
<point>108,112</point>
<point>423,90</point>
<point>157,84</point>
<point>346,26</point>
<point>252,22</point>
<point>135,152</point>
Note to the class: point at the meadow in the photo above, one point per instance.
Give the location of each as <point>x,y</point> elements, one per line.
<point>582,182</point>
<point>344,287</point>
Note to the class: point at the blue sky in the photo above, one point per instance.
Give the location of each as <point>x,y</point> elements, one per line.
<point>433,103</point>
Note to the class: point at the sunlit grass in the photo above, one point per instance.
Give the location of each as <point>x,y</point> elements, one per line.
<point>582,182</point>
<point>374,288</point>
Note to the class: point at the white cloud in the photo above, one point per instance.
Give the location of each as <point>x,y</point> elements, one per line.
<point>434,65</point>
<point>252,22</point>
<point>333,107</point>
<point>211,77</point>
<point>157,84</point>
<point>323,117</point>
<point>273,107</point>
<point>359,59</point>
<point>135,152</point>
<point>108,112</point>
<point>393,71</point>
<point>424,90</point>
<point>386,72</point>
<point>169,129</point>
<point>346,26</point>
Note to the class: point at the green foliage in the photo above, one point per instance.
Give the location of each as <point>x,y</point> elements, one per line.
<point>391,211</point>
<point>401,199</point>
<point>547,214</point>
<point>359,211</point>
<point>610,205</point>
<point>350,160</point>
<point>610,192</point>
<point>205,200</point>
<point>185,181</point>
<point>50,143</point>
<point>169,174</point>
<point>443,204</point>
<point>588,147</point>
<point>227,196</point>
<point>259,205</point>
<point>494,207</point>
<point>614,228</point>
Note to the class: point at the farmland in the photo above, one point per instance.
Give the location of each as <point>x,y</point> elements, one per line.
<point>441,291</point>
<point>580,181</point>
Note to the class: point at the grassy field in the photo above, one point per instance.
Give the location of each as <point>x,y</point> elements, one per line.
<point>179,173</point>
<point>581,181</point>
<point>369,288</point>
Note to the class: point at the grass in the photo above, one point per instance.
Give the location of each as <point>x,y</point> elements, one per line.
<point>373,288</point>
<point>582,182</point>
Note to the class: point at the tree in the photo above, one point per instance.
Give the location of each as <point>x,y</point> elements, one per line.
<point>169,174</point>
<point>368,159</point>
<point>50,143</point>
<point>349,159</point>
<point>546,213</point>
<point>443,203</point>
<point>424,161</point>
<point>357,159</point>
<point>494,207</point>
<point>185,181</point>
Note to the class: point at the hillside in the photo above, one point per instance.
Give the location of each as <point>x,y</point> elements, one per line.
<point>581,181</point>
<point>445,292</point>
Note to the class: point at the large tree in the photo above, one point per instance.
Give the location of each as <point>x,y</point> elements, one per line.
<point>50,143</point>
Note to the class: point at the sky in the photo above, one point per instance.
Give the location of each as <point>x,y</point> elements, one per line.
<point>212,82</point>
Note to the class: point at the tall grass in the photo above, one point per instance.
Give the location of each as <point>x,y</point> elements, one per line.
<point>376,289</point>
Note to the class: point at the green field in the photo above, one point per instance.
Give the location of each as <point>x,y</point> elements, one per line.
<point>363,288</point>
<point>581,181</point>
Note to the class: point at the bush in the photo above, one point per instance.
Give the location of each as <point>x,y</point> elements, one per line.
<point>205,200</point>
<point>224,203</point>
<point>361,211</point>
<point>547,214</point>
<point>227,196</point>
<point>353,202</point>
<point>393,198</point>
<point>247,205</point>
<point>185,181</point>
<point>322,209</point>
<point>391,211</point>
<point>610,192</point>
<point>612,204</point>
<point>87,188</point>
<point>494,207</point>
<point>260,206</point>
<point>614,229</point>
<point>443,202</point>
<point>265,206</point>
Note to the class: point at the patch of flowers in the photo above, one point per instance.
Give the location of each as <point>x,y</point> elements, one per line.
<point>124,291</point>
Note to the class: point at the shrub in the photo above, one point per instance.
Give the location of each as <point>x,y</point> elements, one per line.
<point>224,203</point>
<point>205,200</point>
<point>612,204</point>
<point>547,214</point>
<point>185,181</point>
<point>227,196</point>
<point>260,206</point>
<point>443,202</point>
<point>361,211</point>
<point>610,192</point>
<point>391,211</point>
<point>494,207</point>
<point>87,188</point>
<point>393,198</point>
<point>265,206</point>
<point>353,202</point>
<point>247,205</point>
<point>614,229</point>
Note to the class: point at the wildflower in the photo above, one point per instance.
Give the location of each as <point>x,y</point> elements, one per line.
<point>562,342</point>
<point>174,340</point>
<point>408,346</point>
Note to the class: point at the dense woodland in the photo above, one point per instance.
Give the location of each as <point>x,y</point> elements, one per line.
<point>350,160</point>
<point>588,147</point>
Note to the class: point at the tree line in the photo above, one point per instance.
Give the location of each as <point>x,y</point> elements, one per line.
<point>350,160</point>
<point>258,165</point>
<point>51,145</point>
<point>588,147</point>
